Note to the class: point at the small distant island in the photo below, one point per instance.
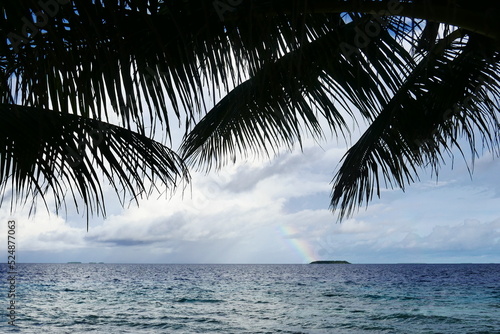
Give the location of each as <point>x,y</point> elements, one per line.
<point>330,262</point>
<point>78,262</point>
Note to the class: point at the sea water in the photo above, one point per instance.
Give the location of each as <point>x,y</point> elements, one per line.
<point>157,298</point>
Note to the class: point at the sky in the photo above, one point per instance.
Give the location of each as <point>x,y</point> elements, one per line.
<point>277,211</point>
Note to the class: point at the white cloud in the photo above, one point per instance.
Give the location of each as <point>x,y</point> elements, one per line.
<point>43,232</point>
<point>471,235</point>
<point>264,211</point>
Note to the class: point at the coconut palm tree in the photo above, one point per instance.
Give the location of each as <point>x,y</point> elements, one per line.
<point>86,84</point>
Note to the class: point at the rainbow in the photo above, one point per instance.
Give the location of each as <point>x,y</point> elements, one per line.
<point>300,246</point>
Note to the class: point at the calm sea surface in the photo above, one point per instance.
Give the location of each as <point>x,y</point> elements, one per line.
<point>125,298</point>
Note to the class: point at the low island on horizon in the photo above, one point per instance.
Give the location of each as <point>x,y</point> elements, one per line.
<point>330,262</point>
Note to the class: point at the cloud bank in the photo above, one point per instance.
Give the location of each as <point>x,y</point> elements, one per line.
<point>277,212</point>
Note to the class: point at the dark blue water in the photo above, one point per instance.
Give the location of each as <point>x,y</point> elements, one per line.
<point>107,298</point>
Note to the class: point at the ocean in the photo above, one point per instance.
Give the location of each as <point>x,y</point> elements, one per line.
<point>318,298</point>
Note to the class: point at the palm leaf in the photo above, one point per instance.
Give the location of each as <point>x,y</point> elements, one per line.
<point>45,152</point>
<point>279,60</point>
<point>287,98</point>
<point>451,93</point>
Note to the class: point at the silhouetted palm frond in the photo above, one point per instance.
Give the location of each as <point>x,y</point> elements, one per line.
<point>453,92</point>
<point>405,96</point>
<point>279,68</point>
<point>50,154</point>
<point>289,97</point>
